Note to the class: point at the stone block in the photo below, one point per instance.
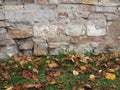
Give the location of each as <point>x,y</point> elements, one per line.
<point>2,24</point>
<point>111,16</point>
<point>95,2</point>
<point>54,1</point>
<point>13,7</point>
<point>97,16</point>
<point>19,34</point>
<point>40,49</point>
<point>1,2</point>
<point>8,51</point>
<point>3,30</point>
<point>18,16</point>
<point>75,29</point>
<point>106,9</point>
<point>25,44</point>
<point>109,3</point>
<point>96,27</point>
<point>7,42</point>
<point>31,7</point>
<point>28,1</point>
<point>2,16</point>
<point>12,2</point>
<point>9,15</point>
<point>45,31</point>
<point>42,2</point>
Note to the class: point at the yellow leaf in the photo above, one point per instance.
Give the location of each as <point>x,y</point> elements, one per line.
<point>110,76</point>
<point>92,77</point>
<point>111,70</point>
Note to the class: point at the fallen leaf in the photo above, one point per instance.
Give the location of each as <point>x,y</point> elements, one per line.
<point>35,71</point>
<point>26,86</point>
<point>75,72</point>
<point>53,65</point>
<point>57,74</point>
<point>34,78</point>
<point>83,68</point>
<point>92,77</point>
<point>8,87</point>
<point>110,76</point>
<point>38,86</point>
<point>88,87</point>
<point>27,74</point>
<point>118,61</point>
<point>18,88</point>
<point>111,70</point>
<point>53,82</point>
<point>74,88</point>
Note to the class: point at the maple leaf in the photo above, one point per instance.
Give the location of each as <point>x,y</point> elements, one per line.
<point>110,76</point>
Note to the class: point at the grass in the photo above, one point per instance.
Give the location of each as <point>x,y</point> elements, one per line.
<point>67,63</point>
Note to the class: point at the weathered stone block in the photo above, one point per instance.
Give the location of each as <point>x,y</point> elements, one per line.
<point>75,29</point>
<point>8,51</point>
<point>111,16</point>
<point>106,9</point>
<point>25,44</point>
<point>9,15</point>
<point>42,1</point>
<point>40,49</point>
<point>2,16</point>
<point>96,27</point>
<point>109,3</point>
<point>13,7</point>
<point>97,16</point>
<point>31,7</point>
<point>12,2</point>
<point>19,34</point>
<point>6,42</point>
<point>54,1</point>
<point>3,30</point>
<point>90,2</point>
<point>2,24</point>
<point>27,1</point>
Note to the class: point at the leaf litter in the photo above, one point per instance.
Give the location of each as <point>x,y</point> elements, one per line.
<point>71,72</point>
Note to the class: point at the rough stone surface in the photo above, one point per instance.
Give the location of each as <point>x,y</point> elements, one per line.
<point>90,1</point>
<point>39,27</point>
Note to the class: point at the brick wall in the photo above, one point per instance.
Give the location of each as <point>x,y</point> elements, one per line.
<point>39,27</point>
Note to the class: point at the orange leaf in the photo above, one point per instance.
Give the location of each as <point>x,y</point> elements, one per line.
<point>52,65</point>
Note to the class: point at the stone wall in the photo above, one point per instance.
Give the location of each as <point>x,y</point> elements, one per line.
<point>39,27</point>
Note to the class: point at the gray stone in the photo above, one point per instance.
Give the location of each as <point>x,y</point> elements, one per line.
<point>18,16</point>
<point>25,44</point>
<point>2,16</point>
<point>3,30</point>
<point>2,24</point>
<point>111,16</point>
<point>13,7</point>
<point>109,3</point>
<point>40,49</point>
<point>31,7</point>
<point>75,29</point>
<point>8,51</point>
<point>97,16</point>
<point>106,9</point>
<point>96,27</point>
<point>7,42</point>
<point>10,15</point>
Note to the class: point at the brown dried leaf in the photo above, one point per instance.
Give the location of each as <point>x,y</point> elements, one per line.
<point>26,86</point>
<point>27,74</point>
<point>38,86</point>
<point>53,65</point>
<point>18,88</point>
<point>83,68</point>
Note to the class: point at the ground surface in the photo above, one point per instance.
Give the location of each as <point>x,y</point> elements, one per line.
<point>69,71</point>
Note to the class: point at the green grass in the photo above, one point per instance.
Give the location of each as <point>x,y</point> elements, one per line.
<point>66,80</point>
